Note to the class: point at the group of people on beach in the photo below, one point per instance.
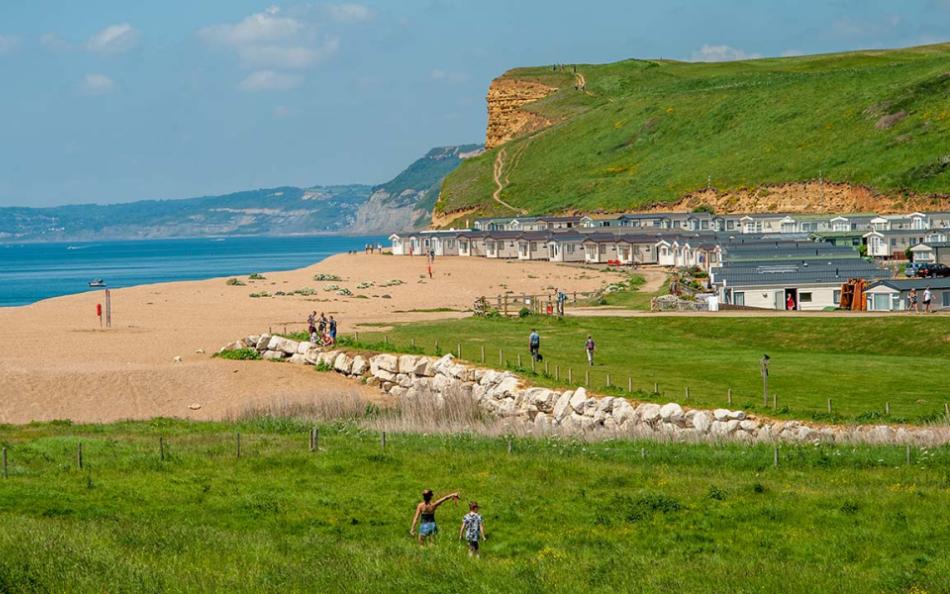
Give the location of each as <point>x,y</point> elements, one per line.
<point>914,301</point>
<point>322,330</point>
<point>472,529</point>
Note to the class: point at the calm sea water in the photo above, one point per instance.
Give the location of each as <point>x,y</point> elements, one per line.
<point>30,272</point>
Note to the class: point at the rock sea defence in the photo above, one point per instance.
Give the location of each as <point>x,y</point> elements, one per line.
<point>544,411</point>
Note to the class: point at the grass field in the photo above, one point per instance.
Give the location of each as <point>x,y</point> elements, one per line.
<point>653,130</point>
<point>860,363</point>
<point>562,516</point>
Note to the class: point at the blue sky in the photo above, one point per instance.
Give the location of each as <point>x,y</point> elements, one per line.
<point>112,100</point>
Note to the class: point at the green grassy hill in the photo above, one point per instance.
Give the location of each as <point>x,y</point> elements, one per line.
<point>650,131</point>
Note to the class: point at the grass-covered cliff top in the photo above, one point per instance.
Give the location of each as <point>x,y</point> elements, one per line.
<point>648,131</point>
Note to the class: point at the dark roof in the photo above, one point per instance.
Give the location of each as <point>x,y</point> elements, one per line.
<point>570,219</point>
<point>793,273</point>
<point>906,284</point>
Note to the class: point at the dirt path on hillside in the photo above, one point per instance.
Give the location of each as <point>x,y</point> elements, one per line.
<point>500,181</point>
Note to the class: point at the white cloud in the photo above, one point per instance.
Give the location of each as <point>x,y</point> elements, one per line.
<point>282,111</point>
<point>8,43</point>
<point>263,27</point>
<point>53,42</point>
<point>721,53</point>
<point>97,84</point>
<point>114,39</point>
<point>270,80</point>
<point>350,13</point>
<point>791,53</point>
<point>271,40</point>
<point>287,57</point>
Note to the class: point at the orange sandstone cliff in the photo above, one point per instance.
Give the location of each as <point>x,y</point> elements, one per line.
<point>506,118</point>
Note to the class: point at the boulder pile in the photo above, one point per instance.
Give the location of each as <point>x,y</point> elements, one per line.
<point>543,410</point>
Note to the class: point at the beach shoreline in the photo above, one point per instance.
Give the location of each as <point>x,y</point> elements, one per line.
<point>57,363</point>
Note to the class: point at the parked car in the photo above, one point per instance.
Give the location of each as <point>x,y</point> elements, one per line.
<point>933,271</point>
<point>911,269</point>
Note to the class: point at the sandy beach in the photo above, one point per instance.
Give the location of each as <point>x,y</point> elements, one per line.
<point>56,362</point>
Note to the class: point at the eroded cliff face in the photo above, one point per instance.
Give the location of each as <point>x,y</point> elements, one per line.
<point>506,119</point>
<point>810,197</point>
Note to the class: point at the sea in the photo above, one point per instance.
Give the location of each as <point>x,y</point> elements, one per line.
<point>30,272</point>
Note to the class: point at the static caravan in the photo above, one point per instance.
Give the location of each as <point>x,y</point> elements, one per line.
<point>600,249</point>
<point>566,247</point>
<point>533,246</point>
<point>400,244</point>
<point>502,245</point>
<point>894,294</point>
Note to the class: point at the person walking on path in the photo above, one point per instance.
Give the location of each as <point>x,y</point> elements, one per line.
<point>322,324</point>
<point>534,345</point>
<point>332,325</point>
<point>928,296</point>
<point>473,529</point>
<point>561,298</point>
<point>589,347</point>
<point>912,301</point>
<point>425,516</point>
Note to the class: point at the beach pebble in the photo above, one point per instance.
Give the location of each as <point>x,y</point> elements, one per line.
<point>194,406</point>
<point>177,359</point>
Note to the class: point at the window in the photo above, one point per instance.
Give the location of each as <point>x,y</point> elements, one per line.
<point>738,297</point>
<point>804,297</point>
<point>946,298</point>
<point>836,297</point>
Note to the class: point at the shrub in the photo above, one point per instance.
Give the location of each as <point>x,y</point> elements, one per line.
<point>524,312</point>
<point>257,276</point>
<point>247,354</point>
<point>233,282</point>
<point>326,277</point>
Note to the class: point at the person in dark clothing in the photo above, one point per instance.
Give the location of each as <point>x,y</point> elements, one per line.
<point>534,344</point>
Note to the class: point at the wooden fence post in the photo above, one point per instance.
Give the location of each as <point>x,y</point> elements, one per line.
<point>161,448</point>
<point>546,368</point>
<point>629,384</point>
<point>587,377</point>
<point>775,456</point>
<point>501,358</point>
<point>887,408</point>
<point>412,342</point>
<point>509,446</point>
<point>570,376</point>
<point>382,440</point>
<point>829,406</point>
<point>729,396</point>
<point>238,444</point>
<point>656,388</point>
<point>519,360</point>
<point>775,401</point>
<point>4,462</point>
<point>458,349</point>
<point>79,455</point>
<point>687,394</point>
<point>557,373</point>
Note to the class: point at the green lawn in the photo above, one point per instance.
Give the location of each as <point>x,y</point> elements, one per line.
<point>562,516</point>
<point>860,363</point>
<point>652,131</point>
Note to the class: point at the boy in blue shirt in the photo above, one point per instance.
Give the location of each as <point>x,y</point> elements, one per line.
<point>473,529</point>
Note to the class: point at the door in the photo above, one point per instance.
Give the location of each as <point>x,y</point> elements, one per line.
<point>790,301</point>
